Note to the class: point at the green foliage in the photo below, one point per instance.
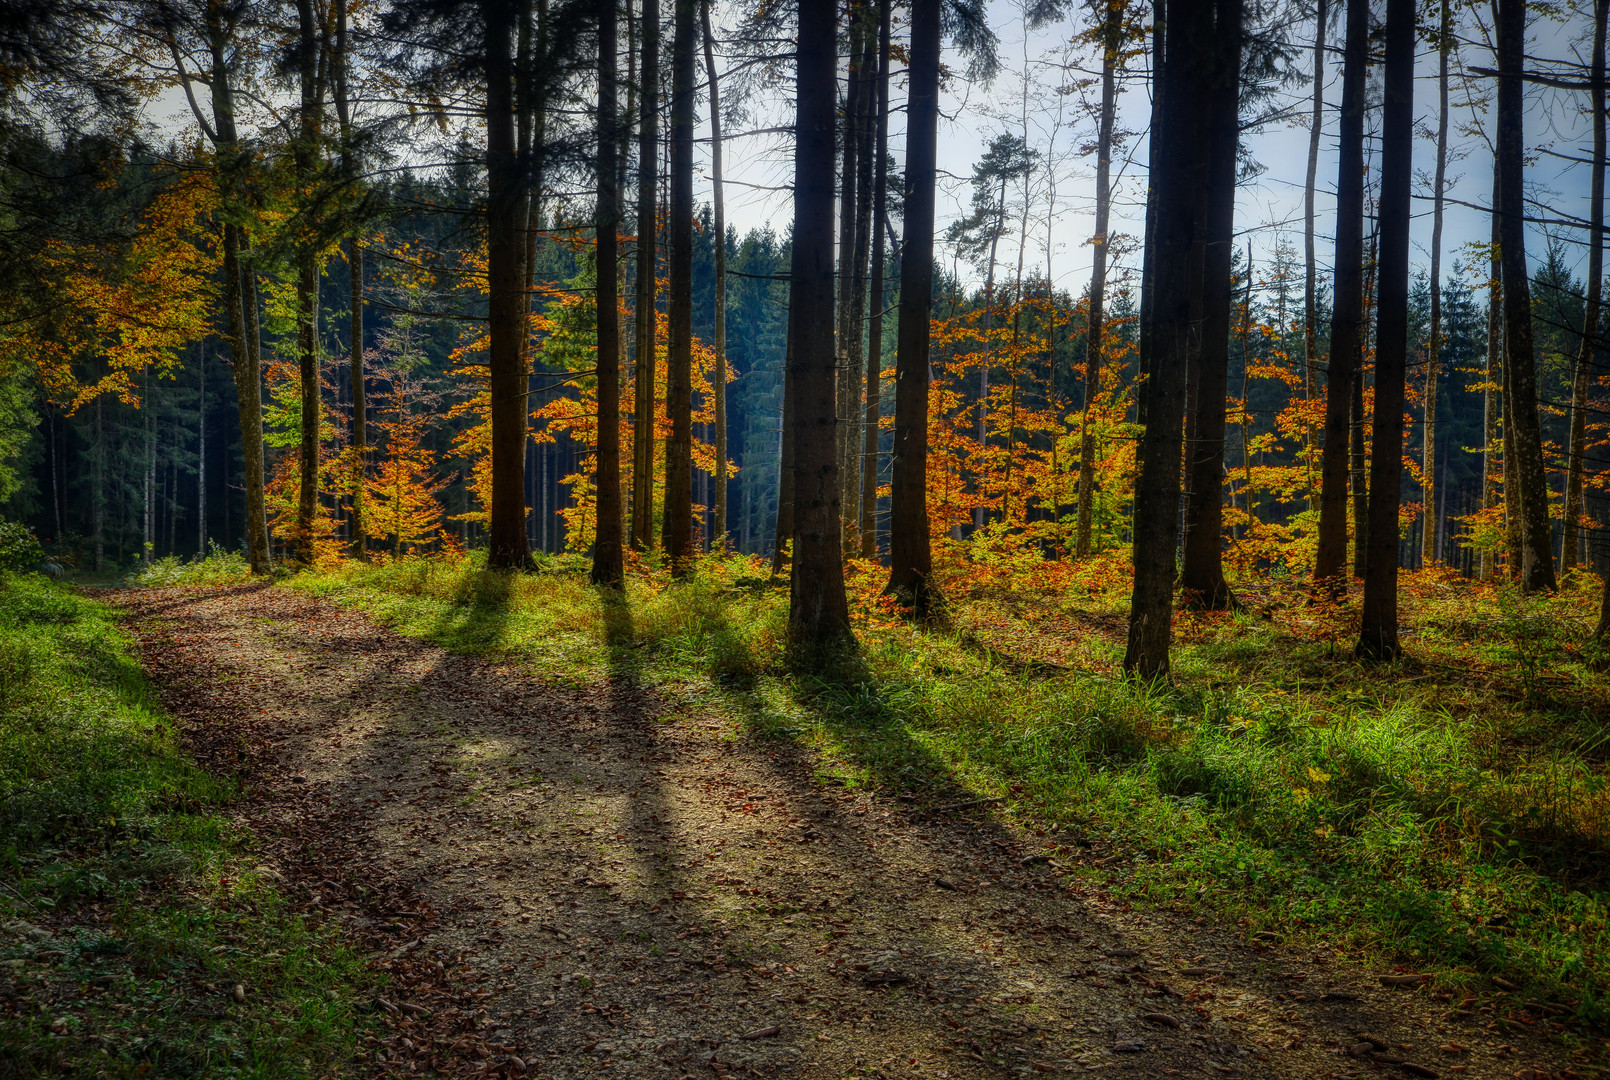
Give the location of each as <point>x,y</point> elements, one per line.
<point>219,566</point>
<point>19,549</point>
<point>119,873</point>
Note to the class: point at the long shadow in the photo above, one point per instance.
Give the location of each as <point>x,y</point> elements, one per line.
<point>705,846</point>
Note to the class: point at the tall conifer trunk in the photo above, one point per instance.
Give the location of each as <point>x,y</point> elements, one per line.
<point>1346,334</point>
<point>1378,635</point>
<point>1095,333</point>
<point>910,554</point>
<point>1537,557</point>
<point>1590,310</point>
<point>719,378</point>
<point>307,285</point>
<point>1316,125</point>
<point>1202,568</point>
<point>608,569</point>
<point>677,532</point>
<point>648,140</point>
<point>818,611</point>
<point>1492,439</point>
<point>874,353</point>
<point>1192,67</point>
<point>1430,553</point>
<point>506,531</point>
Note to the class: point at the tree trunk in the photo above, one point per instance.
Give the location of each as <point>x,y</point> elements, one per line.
<point>506,532</point>
<point>1430,552</point>
<point>1147,341</point>
<point>1316,124</point>
<point>1378,635</point>
<point>677,531</point>
<point>818,612</point>
<point>1096,328</point>
<point>783,533</point>
<point>1357,463</point>
<point>910,556</point>
<point>648,139</point>
<point>359,448</point>
<point>866,136</point>
<point>720,378</point>
<point>1590,310</point>
<point>1346,335</point>
<point>848,373</point>
<point>874,353</point>
<point>1202,569</point>
<point>201,453</point>
<point>1492,447</point>
<point>1193,67</point>
<point>1537,561</point>
<point>608,569</point>
<point>307,287</point>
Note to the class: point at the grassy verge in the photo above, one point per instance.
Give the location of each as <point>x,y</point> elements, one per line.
<point>1447,816</point>
<point>130,912</point>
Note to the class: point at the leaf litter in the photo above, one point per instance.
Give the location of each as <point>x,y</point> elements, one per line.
<point>557,882</point>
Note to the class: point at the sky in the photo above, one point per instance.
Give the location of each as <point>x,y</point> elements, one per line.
<point>1268,209</point>
<point>1047,85</point>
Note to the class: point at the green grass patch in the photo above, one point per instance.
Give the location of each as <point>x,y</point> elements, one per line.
<point>129,910</point>
<point>1449,815</point>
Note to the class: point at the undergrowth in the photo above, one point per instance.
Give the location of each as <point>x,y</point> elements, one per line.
<point>1446,815</point>
<point>129,911</point>
<point>220,566</point>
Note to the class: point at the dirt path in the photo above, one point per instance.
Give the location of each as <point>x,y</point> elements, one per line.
<point>569,883</point>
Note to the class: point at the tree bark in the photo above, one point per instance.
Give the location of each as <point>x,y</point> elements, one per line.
<point>608,568</point>
<point>818,611</point>
<point>1537,562</point>
<point>1378,635</point>
<point>677,531</point>
<point>848,373</point>
<point>1316,125</point>
<point>506,531</point>
<point>359,448</point>
<point>1430,552</point>
<point>648,138</point>
<point>874,352</point>
<point>1191,70</point>
<point>866,135</point>
<point>307,286</point>
<point>1358,465</point>
<point>1202,568</point>
<point>720,377</point>
<point>910,555</point>
<point>1095,332</point>
<point>783,533</point>
<point>1590,311</point>
<point>1492,446</point>
<point>1342,373</point>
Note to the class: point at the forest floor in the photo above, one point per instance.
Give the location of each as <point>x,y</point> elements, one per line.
<point>587,876</point>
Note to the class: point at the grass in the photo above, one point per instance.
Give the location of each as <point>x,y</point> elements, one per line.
<point>129,909</point>
<point>1446,815</point>
<point>220,566</point>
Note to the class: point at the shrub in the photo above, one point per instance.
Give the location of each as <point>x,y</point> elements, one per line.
<point>19,549</point>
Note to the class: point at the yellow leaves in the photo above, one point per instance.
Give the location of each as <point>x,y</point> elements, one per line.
<point>1318,776</point>
<point>125,306</point>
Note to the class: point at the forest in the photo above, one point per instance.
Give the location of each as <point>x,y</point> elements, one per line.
<point>852,538</point>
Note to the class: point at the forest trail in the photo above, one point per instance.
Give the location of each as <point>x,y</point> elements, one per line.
<point>568,882</point>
